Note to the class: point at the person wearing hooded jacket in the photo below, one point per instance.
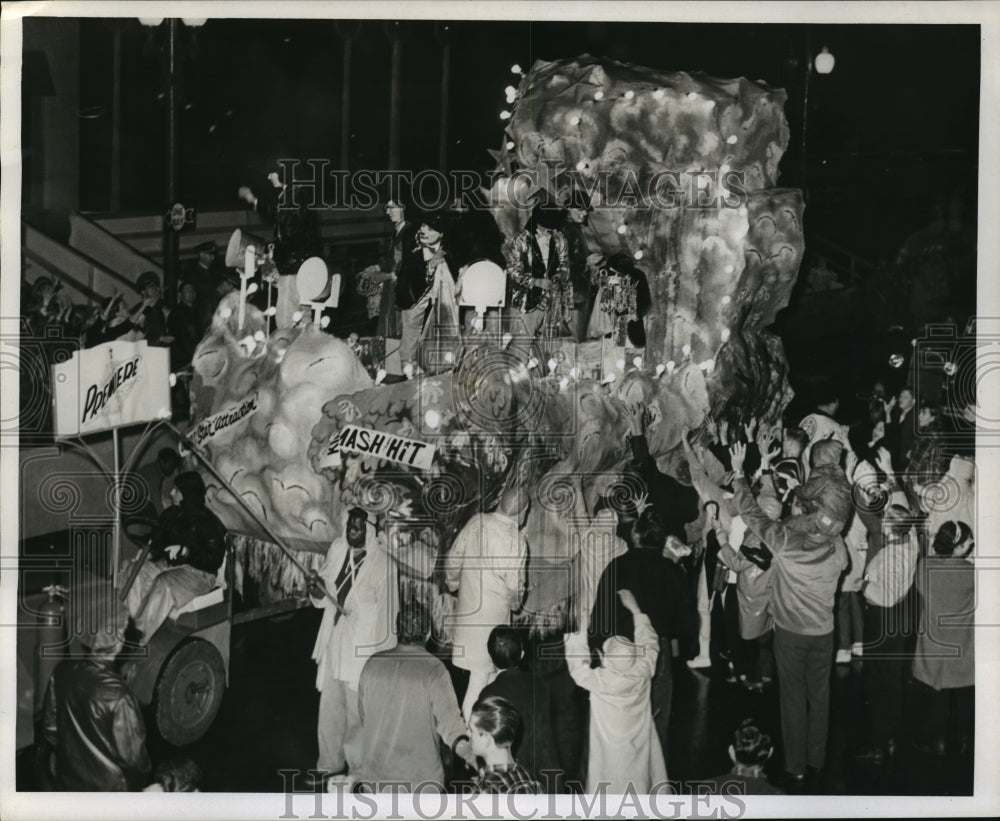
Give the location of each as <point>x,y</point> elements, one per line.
<point>808,562</point>
<point>624,750</point>
<point>828,491</point>
<point>828,494</point>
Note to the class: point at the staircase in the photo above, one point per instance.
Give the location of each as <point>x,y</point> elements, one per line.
<point>107,252</point>
<point>84,279</point>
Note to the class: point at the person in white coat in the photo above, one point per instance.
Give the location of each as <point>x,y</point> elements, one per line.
<point>361,576</point>
<point>624,747</point>
<point>486,567</point>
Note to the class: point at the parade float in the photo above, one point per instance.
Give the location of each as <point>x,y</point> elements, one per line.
<point>300,426</point>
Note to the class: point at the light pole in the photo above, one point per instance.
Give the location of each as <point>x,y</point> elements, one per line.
<point>444,38</point>
<point>396,33</point>
<point>823,63</point>
<point>347,30</point>
<point>171,227</point>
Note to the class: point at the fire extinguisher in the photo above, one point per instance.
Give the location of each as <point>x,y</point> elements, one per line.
<point>51,638</point>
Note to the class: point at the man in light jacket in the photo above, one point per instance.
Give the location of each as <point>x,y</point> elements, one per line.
<point>359,574</point>
<point>807,568</point>
<point>486,567</point>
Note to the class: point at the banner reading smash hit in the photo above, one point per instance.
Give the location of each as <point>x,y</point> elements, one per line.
<point>224,420</point>
<point>380,445</point>
<point>115,384</point>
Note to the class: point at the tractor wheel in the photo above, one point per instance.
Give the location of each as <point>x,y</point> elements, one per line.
<point>189,692</point>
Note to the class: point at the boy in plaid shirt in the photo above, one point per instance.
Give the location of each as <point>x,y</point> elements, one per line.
<point>494,726</point>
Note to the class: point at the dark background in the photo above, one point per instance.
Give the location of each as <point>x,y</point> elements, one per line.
<point>892,131</point>
<point>891,137</point>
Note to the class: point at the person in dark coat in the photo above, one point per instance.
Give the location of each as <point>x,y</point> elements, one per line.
<point>382,281</point>
<point>185,327</point>
<point>150,315</point>
<point>204,274</point>
<point>93,734</point>
<point>188,547</point>
<point>901,428</point>
<point>663,593</point>
<point>530,695</point>
<point>112,323</point>
<point>296,226</point>
<point>676,504</point>
<point>581,262</point>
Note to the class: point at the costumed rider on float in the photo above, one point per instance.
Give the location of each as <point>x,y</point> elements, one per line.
<point>425,296</point>
<point>188,545</point>
<point>296,225</point>
<point>541,298</point>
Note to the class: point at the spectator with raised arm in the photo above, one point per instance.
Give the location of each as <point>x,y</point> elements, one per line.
<point>624,750</point>
<point>808,562</point>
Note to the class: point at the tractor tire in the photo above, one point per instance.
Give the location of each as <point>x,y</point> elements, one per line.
<point>189,692</point>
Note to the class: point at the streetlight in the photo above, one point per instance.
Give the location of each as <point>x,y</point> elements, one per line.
<point>174,219</point>
<point>825,61</point>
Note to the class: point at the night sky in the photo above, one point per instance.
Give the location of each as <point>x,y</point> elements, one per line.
<point>891,132</point>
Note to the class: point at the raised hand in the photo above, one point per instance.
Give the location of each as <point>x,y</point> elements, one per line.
<point>884,461</point>
<point>750,427</point>
<point>738,455</point>
<point>766,446</point>
<point>637,418</point>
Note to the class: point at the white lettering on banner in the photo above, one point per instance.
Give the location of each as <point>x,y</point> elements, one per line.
<point>382,446</point>
<point>122,379</point>
<point>223,420</point>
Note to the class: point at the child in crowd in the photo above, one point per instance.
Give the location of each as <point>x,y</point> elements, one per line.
<point>624,748</point>
<point>494,727</point>
<point>788,472</point>
<point>749,752</point>
<point>752,562</point>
